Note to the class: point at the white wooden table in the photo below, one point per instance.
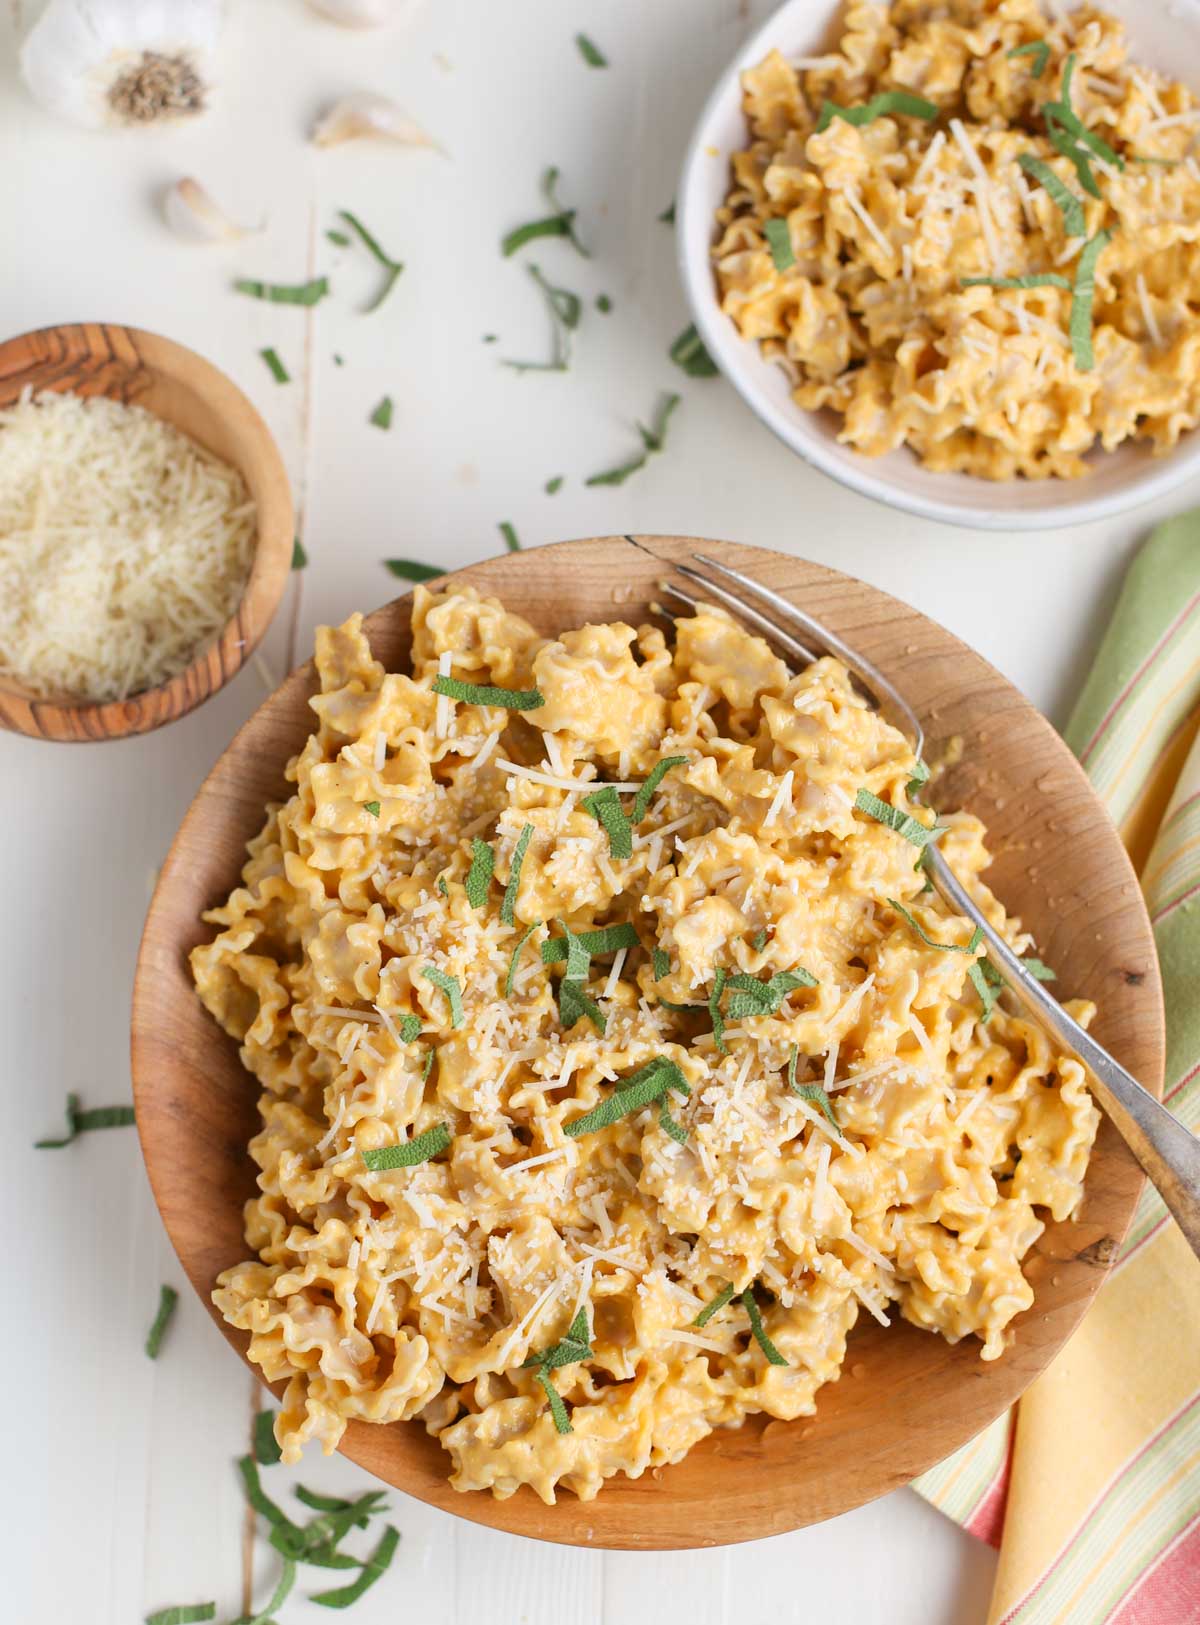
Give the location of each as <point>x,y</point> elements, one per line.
<point>119,1493</point>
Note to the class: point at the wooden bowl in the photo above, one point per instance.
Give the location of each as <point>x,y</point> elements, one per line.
<point>906,1398</point>
<point>142,369</point>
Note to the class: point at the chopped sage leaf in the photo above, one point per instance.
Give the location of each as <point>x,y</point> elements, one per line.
<point>932,942</point>
<point>449,986</point>
<point>374,1566</point>
<point>653,440</point>
<point>779,241</point>
<point>1040,279</point>
<point>886,103</point>
<point>186,1613</point>
<point>660,963</point>
<point>667,217</point>
<point>720,976</point>
<point>713,1305</point>
<point>605,941</point>
<point>266,1447</point>
<point>641,802</point>
<point>511,540</point>
<point>167,1299</point>
<point>299,556</point>
<point>281,293</point>
<point>605,807</point>
<point>506,699</point>
<point>759,941</point>
<point>1167,163</point>
<point>559,223</point>
<point>558,1410</point>
<point>689,353</point>
<point>565,310</point>
<point>275,366</point>
<point>516,954</point>
<point>590,52</point>
<point>417,1150</point>
<point>391,268</point>
<point>373,807</point>
<point>759,1331</point>
<point>1081,301</point>
<point>569,1349</point>
<point>816,1096</point>
<point>509,904</point>
<point>1039,50</point>
<point>428,1066</point>
<point>553,486</point>
<point>338,239</point>
<point>603,304</point>
<point>1070,206</point>
<point>912,829</point>
<point>381,417</point>
<point>1040,971</point>
<point>754,998</point>
<point>920,776</point>
<point>574,1005</point>
<point>479,876</point>
<point>410,1028</point>
<point>644,1087</point>
<point>81,1122</point>
<point>669,1126</point>
<point>987,993</point>
<point>413,569</point>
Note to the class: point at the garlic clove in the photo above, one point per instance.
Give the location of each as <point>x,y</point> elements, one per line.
<point>112,62</point>
<point>366,13</point>
<point>365,116</point>
<point>192,214</point>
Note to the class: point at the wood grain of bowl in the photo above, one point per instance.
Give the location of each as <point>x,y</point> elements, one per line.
<point>142,369</point>
<point>905,1399</point>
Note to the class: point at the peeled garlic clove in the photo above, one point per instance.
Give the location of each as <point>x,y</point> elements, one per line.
<point>365,13</point>
<point>365,116</point>
<point>192,214</point>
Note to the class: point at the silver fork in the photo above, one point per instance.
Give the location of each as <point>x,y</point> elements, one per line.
<point>1166,1150</point>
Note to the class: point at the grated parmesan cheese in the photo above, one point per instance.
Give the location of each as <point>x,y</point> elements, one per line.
<point>124,547</point>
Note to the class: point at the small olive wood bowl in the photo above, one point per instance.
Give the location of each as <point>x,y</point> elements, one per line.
<point>906,1399</point>
<point>142,369</point>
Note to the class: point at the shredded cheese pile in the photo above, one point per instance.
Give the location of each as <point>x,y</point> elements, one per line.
<point>878,226</point>
<point>123,547</point>
<point>750,1081</point>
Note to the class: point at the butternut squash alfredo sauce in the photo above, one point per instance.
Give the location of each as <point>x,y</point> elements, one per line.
<point>974,229</point>
<point>613,1057</point>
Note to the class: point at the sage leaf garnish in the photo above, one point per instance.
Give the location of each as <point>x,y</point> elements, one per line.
<point>479,876</point>
<point>1070,206</point>
<point>758,1329</point>
<point>754,998</point>
<point>689,353</point>
<point>559,223</point>
<point>509,903</point>
<point>605,807</point>
<point>505,699</point>
<point>779,241</point>
<point>391,268</point>
<point>167,1300</point>
<point>932,942</point>
<point>641,802</point>
<point>449,986</point>
<point>373,807</point>
<point>266,1447</point>
<point>887,102</point>
<point>516,954</point>
<point>381,417</point>
<point>1040,279</point>
<point>186,1613</point>
<point>284,293</point>
<point>413,569</point>
<point>660,963</point>
<point>565,310</point>
<point>653,439</point>
<point>1039,50</point>
<point>590,943</point>
<point>82,1122</point>
<point>712,1306</point>
<point>275,366</point>
<point>299,556</point>
<point>720,975</point>
<point>1082,298</point>
<point>912,829</point>
<point>374,1566</point>
<point>813,1093</point>
<point>590,52</point>
<point>410,1028</point>
<point>644,1087</point>
<point>417,1150</point>
<point>511,540</point>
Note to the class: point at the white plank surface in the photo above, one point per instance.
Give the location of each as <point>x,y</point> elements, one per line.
<point>119,1494</point>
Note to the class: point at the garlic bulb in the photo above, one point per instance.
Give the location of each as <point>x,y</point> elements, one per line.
<point>191,213</point>
<point>366,13</point>
<point>122,62</point>
<point>365,116</point>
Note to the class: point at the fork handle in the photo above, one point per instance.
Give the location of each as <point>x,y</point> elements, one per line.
<point>1166,1150</point>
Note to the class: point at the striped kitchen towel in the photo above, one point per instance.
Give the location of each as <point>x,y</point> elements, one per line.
<point>1091,1487</point>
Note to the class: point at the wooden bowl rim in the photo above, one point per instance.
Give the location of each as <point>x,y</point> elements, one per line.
<point>378,1448</point>
<point>75,721</point>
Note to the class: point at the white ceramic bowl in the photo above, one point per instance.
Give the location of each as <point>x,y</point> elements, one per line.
<point>1165,34</point>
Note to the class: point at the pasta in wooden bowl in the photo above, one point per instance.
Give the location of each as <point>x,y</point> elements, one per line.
<point>577,1194</point>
